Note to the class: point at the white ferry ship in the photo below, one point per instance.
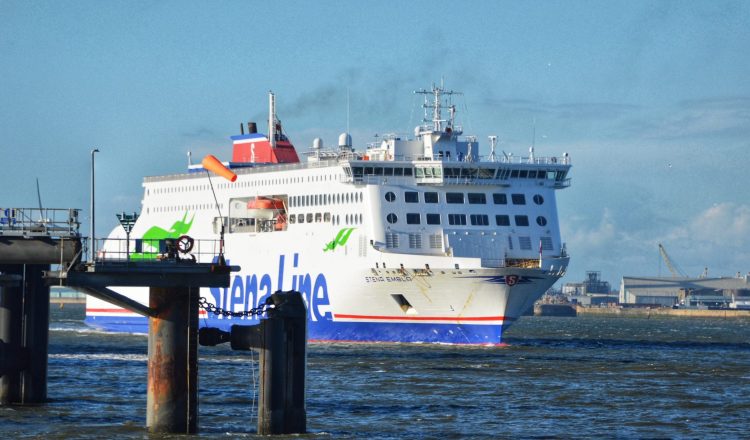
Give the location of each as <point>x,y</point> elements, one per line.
<point>414,239</point>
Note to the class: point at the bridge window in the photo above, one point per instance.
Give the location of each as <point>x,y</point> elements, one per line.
<point>430,197</point>
<point>457,219</point>
<point>500,199</point>
<point>518,199</point>
<point>433,219</point>
<point>411,197</point>
<point>479,220</point>
<point>477,198</point>
<point>522,220</point>
<point>454,198</point>
<point>502,220</point>
<point>412,219</point>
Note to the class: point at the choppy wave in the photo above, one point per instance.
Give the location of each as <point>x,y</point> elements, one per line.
<point>557,378</point>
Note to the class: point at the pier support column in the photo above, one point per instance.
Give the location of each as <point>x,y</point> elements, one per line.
<point>281,339</point>
<point>10,332</point>
<point>24,331</point>
<point>172,399</point>
<point>283,360</point>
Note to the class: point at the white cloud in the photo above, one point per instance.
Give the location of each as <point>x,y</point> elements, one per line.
<point>724,224</point>
<point>717,237</point>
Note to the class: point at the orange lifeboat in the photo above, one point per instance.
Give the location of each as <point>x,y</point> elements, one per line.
<point>265,203</point>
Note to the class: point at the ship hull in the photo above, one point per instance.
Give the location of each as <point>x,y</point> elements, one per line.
<point>349,299</point>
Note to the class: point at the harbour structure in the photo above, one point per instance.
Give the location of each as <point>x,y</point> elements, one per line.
<point>722,292</point>
<point>415,238</point>
<point>593,291</point>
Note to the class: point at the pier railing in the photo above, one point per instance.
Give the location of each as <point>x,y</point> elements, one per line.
<point>35,222</point>
<point>183,248</point>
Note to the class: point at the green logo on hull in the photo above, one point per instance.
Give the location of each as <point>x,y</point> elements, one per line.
<point>341,238</point>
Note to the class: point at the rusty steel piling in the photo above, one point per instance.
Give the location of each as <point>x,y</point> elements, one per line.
<point>172,399</point>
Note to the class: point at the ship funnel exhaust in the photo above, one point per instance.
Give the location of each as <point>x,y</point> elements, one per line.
<point>272,119</point>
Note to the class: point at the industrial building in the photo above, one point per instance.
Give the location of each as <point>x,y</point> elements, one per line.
<point>725,292</point>
<point>592,291</point>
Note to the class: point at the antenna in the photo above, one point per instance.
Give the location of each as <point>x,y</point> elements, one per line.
<point>272,119</point>
<point>190,158</point>
<point>347,109</point>
<point>221,233</point>
<point>493,143</point>
<point>39,198</point>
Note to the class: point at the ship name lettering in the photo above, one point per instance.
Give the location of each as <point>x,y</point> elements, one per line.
<point>249,291</point>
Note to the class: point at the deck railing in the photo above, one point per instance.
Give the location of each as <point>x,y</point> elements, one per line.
<point>33,222</point>
<point>119,250</point>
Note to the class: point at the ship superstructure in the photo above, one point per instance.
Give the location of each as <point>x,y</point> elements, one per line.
<point>413,239</point>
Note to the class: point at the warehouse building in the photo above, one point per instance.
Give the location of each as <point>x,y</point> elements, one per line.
<point>733,293</point>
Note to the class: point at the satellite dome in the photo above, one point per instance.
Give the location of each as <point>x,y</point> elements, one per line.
<point>317,144</point>
<point>345,140</point>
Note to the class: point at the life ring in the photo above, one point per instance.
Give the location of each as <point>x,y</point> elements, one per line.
<point>185,244</point>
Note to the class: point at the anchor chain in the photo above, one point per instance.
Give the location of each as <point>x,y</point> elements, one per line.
<point>212,308</point>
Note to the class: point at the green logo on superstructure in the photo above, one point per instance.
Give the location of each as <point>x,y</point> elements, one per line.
<point>341,238</point>
<point>156,235</point>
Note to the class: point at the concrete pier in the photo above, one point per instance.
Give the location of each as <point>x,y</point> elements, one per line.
<point>30,241</point>
<point>174,285</point>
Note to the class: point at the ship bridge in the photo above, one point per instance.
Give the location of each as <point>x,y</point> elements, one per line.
<point>548,172</point>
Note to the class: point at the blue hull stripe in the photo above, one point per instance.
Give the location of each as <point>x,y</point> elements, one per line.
<point>342,331</point>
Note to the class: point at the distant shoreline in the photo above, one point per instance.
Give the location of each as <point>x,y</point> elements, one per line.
<point>67,300</point>
<point>626,312</point>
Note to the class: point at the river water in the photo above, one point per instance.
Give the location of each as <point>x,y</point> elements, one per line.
<point>585,377</point>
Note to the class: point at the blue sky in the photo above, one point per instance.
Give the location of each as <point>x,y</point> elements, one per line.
<point>651,100</point>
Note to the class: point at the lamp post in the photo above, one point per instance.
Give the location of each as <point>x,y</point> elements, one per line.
<point>93,215</point>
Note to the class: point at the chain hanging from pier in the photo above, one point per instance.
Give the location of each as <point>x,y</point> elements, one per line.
<point>212,308</point>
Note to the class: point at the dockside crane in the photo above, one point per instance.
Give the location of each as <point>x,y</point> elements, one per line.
<point>676,271</point>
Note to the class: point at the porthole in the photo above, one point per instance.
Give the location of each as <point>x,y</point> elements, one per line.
<point>391,218</point>
<point>541,221</point>
<point>390,196</point>
<point>538,199</point>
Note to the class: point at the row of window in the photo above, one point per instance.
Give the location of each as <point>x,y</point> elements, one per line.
<point>461,198</point>
<point>325,217</point>
<point>414,218</point>
<point>449,172</point>
<point>182,208</point>
<point>243,184</point>
<point>392,240</point>
<point>325,199</point>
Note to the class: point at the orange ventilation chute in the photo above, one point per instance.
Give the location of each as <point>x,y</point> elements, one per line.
<point>211,163</point>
